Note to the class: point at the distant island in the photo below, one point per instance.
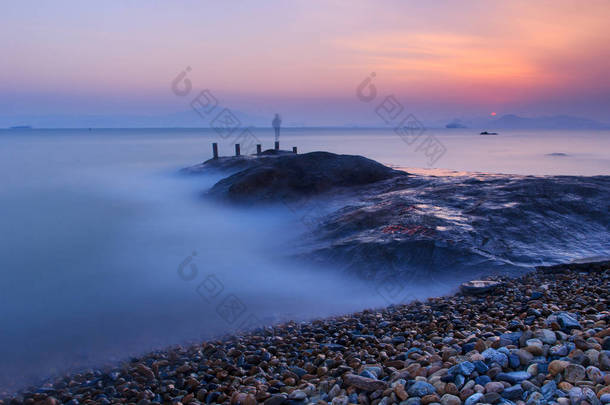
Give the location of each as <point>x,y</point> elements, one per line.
<point>21,127</point>
<point>511,121</point>
<point>455,124</point>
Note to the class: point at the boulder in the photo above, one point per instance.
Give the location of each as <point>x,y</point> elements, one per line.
<point>291,177</point>
<point>478,287</point>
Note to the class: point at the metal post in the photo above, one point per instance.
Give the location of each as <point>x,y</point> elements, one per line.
<point>277,145</point>
<point>294,149</point>
<point>215,150</point>
<point>258,149</point>
<point>236,149</point>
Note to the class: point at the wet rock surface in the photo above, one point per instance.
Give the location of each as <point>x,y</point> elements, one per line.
<point>380,224</point>
<point>502,348</point>
<point>422,226</point>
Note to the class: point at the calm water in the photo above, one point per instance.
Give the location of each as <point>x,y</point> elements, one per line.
<point>97,225</point>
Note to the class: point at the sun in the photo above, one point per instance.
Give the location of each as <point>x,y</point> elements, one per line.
<point>493,114</point>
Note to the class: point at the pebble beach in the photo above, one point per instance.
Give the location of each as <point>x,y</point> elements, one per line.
<point>543,338</point>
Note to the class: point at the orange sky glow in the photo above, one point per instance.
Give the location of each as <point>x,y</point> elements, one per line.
<point>455,57</point>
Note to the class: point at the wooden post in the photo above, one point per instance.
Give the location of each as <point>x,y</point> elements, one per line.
<point>215,150</point>
<point>258,149</point>
<point>294,149</point>
<point>277,145</point>
<point>236,149</point>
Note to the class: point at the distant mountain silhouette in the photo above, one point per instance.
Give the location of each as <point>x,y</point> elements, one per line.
<point>456,123</point>
<point>512,121</point>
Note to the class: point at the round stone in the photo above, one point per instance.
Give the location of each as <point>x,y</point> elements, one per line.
<point>547,336</point>
<point>298,395</point>
<point>473,399</point>
<point>557,366</point>
<point>420,389</point>
<point>574,372</point>
<point>449,399</point>
<point>494,386</point>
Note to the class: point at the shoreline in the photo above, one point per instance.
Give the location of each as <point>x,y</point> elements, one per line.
<point>549,343</point>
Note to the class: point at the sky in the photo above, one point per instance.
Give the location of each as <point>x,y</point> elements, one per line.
<point>305,59</point>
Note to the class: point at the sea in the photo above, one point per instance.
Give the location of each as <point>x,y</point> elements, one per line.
<point>108,252</point>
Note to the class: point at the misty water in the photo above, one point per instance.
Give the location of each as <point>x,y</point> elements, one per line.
<point>107,252</point>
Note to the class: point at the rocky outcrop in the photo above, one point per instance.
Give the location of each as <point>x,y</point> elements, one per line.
<point>290,177</point>
<point>381,224</point>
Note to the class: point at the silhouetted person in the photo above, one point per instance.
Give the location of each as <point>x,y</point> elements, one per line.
<point>277,122</point>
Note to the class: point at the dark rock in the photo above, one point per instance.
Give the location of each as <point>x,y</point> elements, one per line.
<point>333,346</point>
<point>514,377</point>
<point>420,388</point>
<point>290,177</point>
<point>513,337</point>
<point>546,336</point>
<point>276,400</point>
<point>459,380</point>
<point>491,398</point>
<point>464,368</point>
<point>590,396</point>
<point>535,398</point>
<point>482,380</point>
<point>474,399</point>
<point>528,386</point>
<point>212,397</point>
<point>549,390</point>
<point>398,339</point>
<point>468,347</point>
<point>513,360</point>
<point>606,343</point>
<point>566,320</point>
<point>559,350</point>
<point>574,372</point>
<point>368,374</point>
<point>493,356</point>
<point>363,383</point>
<point>376,372</point>
<point>513,393</point>
<point>297,395</point>
<point>481,367</point>
<point>298,371</point>
<point>575,395</point>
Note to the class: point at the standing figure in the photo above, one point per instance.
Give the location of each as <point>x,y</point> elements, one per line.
<point>277,122</point>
